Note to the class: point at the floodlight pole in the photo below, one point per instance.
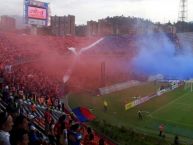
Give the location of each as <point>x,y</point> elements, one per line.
<point>183,11</point>
<point>103,74</point>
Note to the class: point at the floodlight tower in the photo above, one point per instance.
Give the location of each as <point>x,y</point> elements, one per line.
<point>183,12</point>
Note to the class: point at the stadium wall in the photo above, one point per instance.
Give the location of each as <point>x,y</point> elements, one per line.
<point>118,87</point>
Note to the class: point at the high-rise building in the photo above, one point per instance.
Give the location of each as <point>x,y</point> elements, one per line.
<point>7,23</point>
<point>104,27</point>
<point>71,20</point>
<point>92,28</point>
<point>63,25</point>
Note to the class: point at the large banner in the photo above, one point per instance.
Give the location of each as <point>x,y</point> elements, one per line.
<point>137,102</point>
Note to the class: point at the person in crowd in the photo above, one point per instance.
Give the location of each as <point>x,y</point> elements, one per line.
<point>5,93</point>
<point>33,108</point>
<point>34,136</point>
<point>87,136</point>
<point>12,109</point>
<point>6,123</point>
<point>60,130</point>
<point>48,118</point>
<point>19,137</point>
<point>101,141</point>
<point>51,132</point>
<point>63,107</point>
<point>74,135</point>
<point>91,140</point>
<point>21,122</point>
<point>59,105</point>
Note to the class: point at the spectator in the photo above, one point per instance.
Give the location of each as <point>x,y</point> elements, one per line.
<point>60,130</point>
<point>74,136</point>
<point>33,108</point>
<point>6,123</point>
<point>12,109</point>
<point>19,137</point>
<point>34,136</point>
<point>91,140</point>
<point>21,122</point>
<point>51,132</point>
<point>101,141</point>
<point>48,118</point>
<point>86,138</point>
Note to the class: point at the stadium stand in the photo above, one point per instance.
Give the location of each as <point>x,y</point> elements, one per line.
<point>116,45</point>
<point>28,95</point>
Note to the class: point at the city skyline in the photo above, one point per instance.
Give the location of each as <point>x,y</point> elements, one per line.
<point>85,10</point>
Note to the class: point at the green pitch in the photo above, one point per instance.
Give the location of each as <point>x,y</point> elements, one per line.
<point>174,110</point>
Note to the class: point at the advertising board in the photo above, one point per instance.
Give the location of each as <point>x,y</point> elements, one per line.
<point>37,13</point>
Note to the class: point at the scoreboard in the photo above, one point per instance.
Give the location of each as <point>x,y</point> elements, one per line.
<point>36,12</point>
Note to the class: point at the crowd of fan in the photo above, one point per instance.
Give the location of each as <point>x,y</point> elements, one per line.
<point>11,52</point>
<point>22,83</point>
<point>14,91</point>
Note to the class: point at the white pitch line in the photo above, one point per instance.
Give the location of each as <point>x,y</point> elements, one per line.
<point>164,106</point>
<point>191,106</point>
<point>171,121</point>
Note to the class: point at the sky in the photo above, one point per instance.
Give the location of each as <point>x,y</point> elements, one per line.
<point>84,10</point>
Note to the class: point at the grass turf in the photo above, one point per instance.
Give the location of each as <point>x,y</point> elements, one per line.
<point>173,109</point>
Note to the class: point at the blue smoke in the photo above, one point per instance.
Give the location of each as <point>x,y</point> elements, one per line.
<point>158,55</point>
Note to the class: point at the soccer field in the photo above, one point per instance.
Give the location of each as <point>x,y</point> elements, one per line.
<point>173,109</point>
<point>177,115</point>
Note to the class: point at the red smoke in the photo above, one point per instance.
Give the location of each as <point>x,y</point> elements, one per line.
<point>52,57</point>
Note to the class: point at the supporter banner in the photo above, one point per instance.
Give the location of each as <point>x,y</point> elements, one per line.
<point>83,114</point>
<point>137,102</point>
<point>160,92</point>
<point>129,105</point>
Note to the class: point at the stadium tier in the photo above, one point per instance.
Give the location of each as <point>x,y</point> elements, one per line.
<point>27,91</point>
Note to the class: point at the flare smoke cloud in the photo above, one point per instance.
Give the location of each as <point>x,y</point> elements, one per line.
<point>158,55</point>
